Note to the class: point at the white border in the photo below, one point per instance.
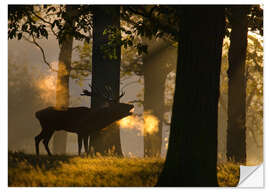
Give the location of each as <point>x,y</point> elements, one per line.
<point>3,95</point>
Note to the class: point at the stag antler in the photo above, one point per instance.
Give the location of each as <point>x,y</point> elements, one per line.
<point>86,93</point>
<point>93,91</point>
<point>107,95</point>
<point>122,94</point>
<point>109,92</point>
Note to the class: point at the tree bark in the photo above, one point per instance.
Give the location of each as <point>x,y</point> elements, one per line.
<point>236,133</point>
<point>62,88</point>
<point>105,71</point>
<point>192,153</point>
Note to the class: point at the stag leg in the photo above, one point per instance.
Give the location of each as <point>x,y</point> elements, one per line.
<point>38,138</point>
<point>91,149</point>
<point>79,144</point>
<point>85,142</point>
<point>46,142</point>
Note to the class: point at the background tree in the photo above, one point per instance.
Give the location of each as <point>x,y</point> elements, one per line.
<point>160,59</point>
<point>240,19</point>
<point>236,133</point>
<point>254,102</point>
<point>136,67</point>
<point>157,64</point>
<point>62,82</point>
<point>106,60</point>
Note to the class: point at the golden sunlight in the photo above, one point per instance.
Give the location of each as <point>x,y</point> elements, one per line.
<point>46,87</point>
<point>131,122</point>
<point>150,123</point>
<point>147,125</point>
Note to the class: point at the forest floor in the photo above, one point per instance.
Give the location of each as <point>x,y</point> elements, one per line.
<point>25,170</point>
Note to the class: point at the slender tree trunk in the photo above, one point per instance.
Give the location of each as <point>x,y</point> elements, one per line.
<point>62,91</point>
<point>105,71</point>
<point>192,153</point>
<point>236,133</point>
<point>62,88</point>
<point>153,141</point>
<point>155,72</point>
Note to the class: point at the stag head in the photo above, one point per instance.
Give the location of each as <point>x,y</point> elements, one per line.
<point>107,96</point>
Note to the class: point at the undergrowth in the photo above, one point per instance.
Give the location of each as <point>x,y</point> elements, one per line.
<point>26,170</point>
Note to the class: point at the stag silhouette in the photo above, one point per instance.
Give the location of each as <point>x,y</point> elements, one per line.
<point>81,120</point>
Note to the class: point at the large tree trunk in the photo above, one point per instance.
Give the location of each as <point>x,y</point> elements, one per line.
<point>62,88</point>
<point>192,153</point>
<point>155,72</point>
<point>105,71</point>
<point>236,134</point>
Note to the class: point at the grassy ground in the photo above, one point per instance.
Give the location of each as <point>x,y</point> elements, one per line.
<point>69,171</point>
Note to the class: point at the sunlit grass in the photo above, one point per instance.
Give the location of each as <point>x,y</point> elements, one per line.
<point>228,174</point>
<point>69,171</point>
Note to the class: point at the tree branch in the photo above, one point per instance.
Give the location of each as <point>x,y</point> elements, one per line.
<point>42,52</point>
<point>42,19</point>
<point>166,28</point>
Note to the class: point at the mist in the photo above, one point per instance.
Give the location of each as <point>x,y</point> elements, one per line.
<point>31,88</point>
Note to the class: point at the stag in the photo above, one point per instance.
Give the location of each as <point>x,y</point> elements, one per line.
<point>81,120</point>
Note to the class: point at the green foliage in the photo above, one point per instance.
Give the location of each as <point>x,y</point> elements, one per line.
<point>255,18</point>
<point>145,21</point>
<point>158,20</point>
<point>152,20</point>
<point>16,13</point>
<point>36,20</point>
<point>70,171</point>
<point>114,41</point>
<point>131,62</point>
<point>82,67</point>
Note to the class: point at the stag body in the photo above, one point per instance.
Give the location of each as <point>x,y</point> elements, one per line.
<point>81,120</point>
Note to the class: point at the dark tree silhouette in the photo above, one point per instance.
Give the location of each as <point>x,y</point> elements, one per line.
<point>236,133</point>
<point>106,71</point>
<point>192,153</point>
